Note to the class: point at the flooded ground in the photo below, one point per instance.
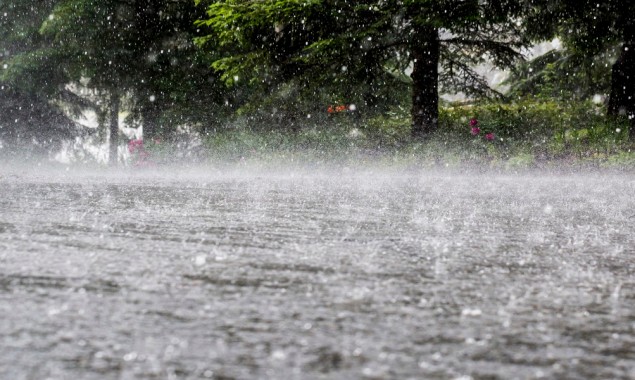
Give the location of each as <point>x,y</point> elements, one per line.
<point>328,275</point>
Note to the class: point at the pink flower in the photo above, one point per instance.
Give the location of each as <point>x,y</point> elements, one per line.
<point>476,131</point>
<point>135,145</point>
<point>489,137</point>
<point>473,123</point>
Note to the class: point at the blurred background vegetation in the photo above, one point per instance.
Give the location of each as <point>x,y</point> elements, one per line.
<point>319,81</point>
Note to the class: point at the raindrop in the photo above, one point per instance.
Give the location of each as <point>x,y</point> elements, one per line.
<point>471,312</point>
<point>279,355</point>
<point>152,98</point>
<point>200,260</point>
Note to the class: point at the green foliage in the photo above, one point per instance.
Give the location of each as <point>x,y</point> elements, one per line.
<point>585,26</point>
<point>549,129</point>
<point>563,74</point>
<point>622,160</point>
<point>28,60</point>
<point>287,61</point>
<point>592,30</point>
<point>144,52</point>
<point>356,50</point>
<point>389,130</point>
<point>314,144</point>
<point>528,134</point>
<point>30,78</point>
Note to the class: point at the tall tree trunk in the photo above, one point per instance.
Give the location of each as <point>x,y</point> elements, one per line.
<point>114,128</point>
<point>622,97</point>
<point>425,50</point>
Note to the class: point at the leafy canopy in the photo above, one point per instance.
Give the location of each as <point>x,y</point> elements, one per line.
<point>357,49</point>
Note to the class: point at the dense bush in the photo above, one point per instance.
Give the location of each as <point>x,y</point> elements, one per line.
<point>525,133</point>
<point>547,129</point>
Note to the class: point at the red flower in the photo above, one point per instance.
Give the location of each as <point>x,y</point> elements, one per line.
<point>338,108</point>
<point>489,137</point>
<point>473,123</point>
<point>476,131</point>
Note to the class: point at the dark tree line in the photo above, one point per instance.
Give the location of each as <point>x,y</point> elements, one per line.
<point>437,42</point>
<point>123,52</point>
<point>195,61</point>
<point>590,31</point>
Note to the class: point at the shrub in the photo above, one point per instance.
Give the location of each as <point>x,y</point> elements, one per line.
<point>524,133</point>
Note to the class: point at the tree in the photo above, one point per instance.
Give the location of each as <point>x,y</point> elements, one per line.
<point>30,81</point>
<point>140,55</point>
<point>327,42</point>
<point>98,41</point>
<point>592,29</point>
<point>562,74</point>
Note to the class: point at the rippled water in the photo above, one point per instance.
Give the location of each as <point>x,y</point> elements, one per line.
<point>340,275</point>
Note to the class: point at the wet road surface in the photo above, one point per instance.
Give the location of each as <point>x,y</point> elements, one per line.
<point>317,276</point>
